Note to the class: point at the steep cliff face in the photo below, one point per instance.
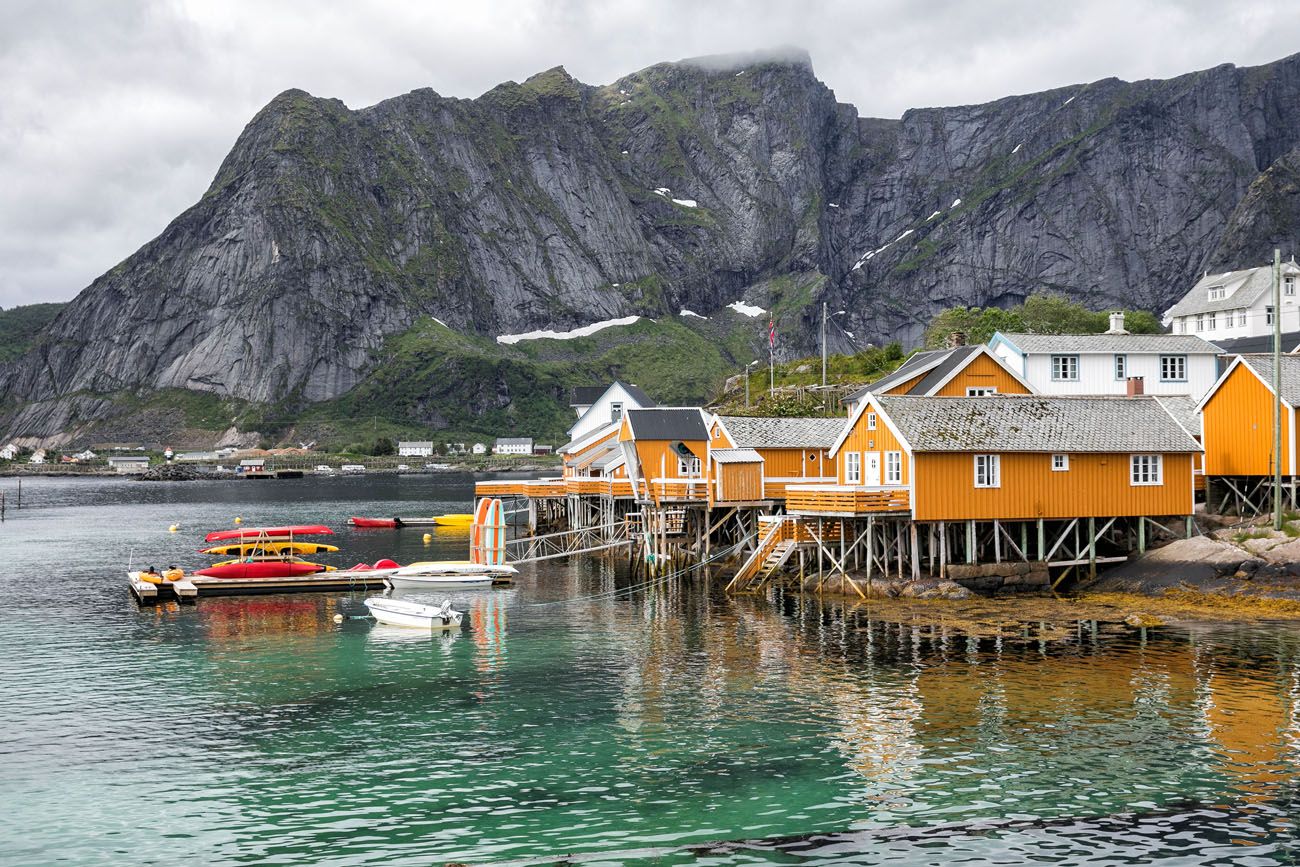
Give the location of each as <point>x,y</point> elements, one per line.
<point>551,204</point>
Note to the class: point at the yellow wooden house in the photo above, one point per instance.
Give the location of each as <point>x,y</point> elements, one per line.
<point>958,371</point>
<point>794,450</point>
<point>1237,416</point>
<point>1007,458</point>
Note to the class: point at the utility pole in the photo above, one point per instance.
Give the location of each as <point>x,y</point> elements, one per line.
<point>771,356</point>
<point>1277,390</point>
<point>747,367</point>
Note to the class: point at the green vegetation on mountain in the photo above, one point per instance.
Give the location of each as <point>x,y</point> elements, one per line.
<point>1040,314</point>
<point>21,326</point>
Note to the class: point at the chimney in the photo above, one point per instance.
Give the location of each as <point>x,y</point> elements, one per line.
<point>1117,323</point>
<point>956,338</point>
<point>1135,387</point>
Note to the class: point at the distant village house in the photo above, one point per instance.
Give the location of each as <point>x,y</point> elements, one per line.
<point>513,446</point>
<point>415,449</point>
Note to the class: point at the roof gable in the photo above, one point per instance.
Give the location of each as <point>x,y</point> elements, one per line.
<point>1241,289</point>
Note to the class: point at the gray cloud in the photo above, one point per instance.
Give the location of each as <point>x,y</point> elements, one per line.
<point>114,117</point>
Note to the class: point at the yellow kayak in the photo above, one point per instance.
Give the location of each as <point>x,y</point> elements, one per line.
<point>245,549</point>
<point>456,520</point>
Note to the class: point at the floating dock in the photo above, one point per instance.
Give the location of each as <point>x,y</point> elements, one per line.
<point>189,589</point>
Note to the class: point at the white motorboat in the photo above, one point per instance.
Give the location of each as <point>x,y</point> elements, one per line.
<point>400,612</point>
<point>438,574</point>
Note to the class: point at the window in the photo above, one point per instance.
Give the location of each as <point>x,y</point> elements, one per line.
<point>853,468</point>
<point>615,411</point>
<point>1065,368</point>
<point>688,466</point>
<point>1144,469</point>
<point>980,390</point>
<point>1268,315</point>
<point>1121,366</point>
<point>1060,463</point>
<point>1216,292</point>
<point>987,471</point>
<point>871,421</point>
<point>1209,322</point>
<point>1173,368</point>
<point>893,468</point>
<point>1182,326</point>
<point>1288,286</point>
<point>1200,321</point>
<point>1241,318</point>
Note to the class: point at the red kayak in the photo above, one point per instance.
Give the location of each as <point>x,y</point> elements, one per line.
<point>273,532</point>
<point>374,522</point>
<point>277,569</point>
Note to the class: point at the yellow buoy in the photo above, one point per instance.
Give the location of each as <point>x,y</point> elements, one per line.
<point>173,528</point>
<point>428,537</point>
<point>239,520</point>
<point>338,618</point>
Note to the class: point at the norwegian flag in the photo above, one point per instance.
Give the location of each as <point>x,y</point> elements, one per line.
<point>771,333</point>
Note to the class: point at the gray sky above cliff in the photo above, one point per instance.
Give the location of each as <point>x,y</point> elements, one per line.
<point>115,116</point>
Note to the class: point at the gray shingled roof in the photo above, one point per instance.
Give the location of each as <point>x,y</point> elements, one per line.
<point>667,424</point>
<point>908,369</point>
<point>783,433</point>
<point>1263,367</point>
<point>586,395</point>
<point>1262,343</point>
<point>1183,408</point>
<point>514,441</point>
<point>1030,423</point>
<point>1183,344</point>
<point>1251,283</point>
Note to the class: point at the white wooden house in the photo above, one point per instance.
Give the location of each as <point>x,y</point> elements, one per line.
<point>599,406</point>
<point>1235,304</point>
<point>1101,364</point>
<point>415,448</point>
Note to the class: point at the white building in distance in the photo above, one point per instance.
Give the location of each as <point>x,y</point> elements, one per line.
<point>415,448</point>
<point>1237,304</point>
<point>513,446</point>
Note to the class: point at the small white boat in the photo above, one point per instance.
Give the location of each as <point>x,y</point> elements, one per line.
<point>437,574</point>
<point>399,612</point>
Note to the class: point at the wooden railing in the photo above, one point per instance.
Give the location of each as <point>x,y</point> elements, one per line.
<point>845,499</point>
<point>552,488</point>
<point>678,490</point>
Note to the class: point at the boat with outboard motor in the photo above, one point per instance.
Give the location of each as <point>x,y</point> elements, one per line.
<point>402,612</point>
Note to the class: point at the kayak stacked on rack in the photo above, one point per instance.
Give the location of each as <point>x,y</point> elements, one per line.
<point>454,520</point>
<point>267,552</point>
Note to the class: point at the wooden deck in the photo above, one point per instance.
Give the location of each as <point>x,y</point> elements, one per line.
<point>845,500</point>
<point>546,489</point>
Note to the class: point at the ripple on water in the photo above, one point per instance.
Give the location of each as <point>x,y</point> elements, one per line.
<point>675,726</point>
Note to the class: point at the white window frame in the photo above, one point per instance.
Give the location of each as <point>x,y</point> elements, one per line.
<point>988,471</point>
<point>871,421</point>
<point>1065,364</point>
<point>980,390</point>
<point>1209,321</point>
<point>1200,321</point>
<point>1288,285</point>
<point>1167,365</point>
<point>1182,325</point>
<point>688,468</point>
<point>1241,318</point>
<point>852,468</point>
<point>1268,315</point>
<point>893,468</point>
<point>615,410</point>
<point>1216,292</point>
<point>1121,366</point>
<point>1146,470</point>
<point>1060,463</point>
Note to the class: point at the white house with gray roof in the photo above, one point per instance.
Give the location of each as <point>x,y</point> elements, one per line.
<point>1236,304</point>
<point>1102,364</point>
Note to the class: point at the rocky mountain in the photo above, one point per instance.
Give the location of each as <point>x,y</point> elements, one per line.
<point>330,233</point>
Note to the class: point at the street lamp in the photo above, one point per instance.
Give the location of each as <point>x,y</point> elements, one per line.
<point>825,318</point>
<point>746,374</point>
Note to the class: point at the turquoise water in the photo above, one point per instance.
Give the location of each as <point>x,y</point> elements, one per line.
<point>667,726</point>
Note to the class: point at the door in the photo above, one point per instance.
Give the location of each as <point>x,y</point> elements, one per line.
<point>871,467</point>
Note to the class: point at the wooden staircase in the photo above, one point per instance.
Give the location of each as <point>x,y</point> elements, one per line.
<point>774,548</point>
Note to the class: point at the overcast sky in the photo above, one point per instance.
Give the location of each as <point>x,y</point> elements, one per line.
<point>114,116</point>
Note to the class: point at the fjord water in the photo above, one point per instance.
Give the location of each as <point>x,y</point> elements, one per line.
<point>668,725</point>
